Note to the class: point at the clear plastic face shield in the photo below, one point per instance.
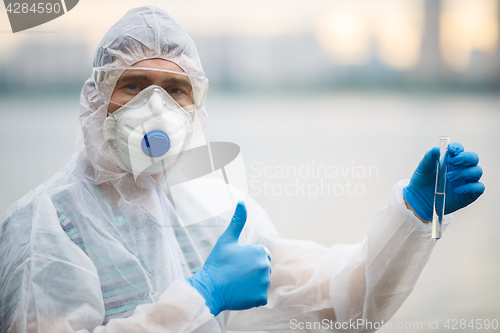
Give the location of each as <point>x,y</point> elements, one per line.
<point>151,123</point>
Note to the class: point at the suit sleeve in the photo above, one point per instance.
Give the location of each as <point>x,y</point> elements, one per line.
<point>334,287</point>
<point>49,285</point>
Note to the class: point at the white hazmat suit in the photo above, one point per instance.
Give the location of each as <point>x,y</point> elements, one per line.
<point>91,251</point>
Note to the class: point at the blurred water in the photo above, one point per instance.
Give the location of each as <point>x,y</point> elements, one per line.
<point>385,132</point>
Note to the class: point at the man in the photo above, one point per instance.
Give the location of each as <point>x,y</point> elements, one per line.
<point>104,247</point>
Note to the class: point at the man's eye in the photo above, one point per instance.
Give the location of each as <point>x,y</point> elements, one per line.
<point>133,87</point>
<point>175,91</point>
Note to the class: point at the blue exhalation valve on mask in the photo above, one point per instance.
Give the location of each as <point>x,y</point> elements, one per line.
<point>155,143</point>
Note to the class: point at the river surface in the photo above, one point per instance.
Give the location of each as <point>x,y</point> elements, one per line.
<point>321,165</point>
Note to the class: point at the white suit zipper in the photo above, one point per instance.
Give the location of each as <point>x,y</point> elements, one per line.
<point>169,230</point>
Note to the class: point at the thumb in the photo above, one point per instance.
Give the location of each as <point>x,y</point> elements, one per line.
<point>428,163</point>
<point>234,229</point>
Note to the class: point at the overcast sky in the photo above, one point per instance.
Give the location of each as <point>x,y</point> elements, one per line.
<point>345,28</point>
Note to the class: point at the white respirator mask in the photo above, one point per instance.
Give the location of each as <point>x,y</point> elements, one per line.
<point>146,135</point>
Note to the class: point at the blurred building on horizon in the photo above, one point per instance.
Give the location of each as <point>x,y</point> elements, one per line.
<point>443,43</point>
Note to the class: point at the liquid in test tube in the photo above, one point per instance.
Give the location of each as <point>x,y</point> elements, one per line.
<point>440,189</point>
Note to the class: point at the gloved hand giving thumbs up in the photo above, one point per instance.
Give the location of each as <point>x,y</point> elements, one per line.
<point>234,277</point>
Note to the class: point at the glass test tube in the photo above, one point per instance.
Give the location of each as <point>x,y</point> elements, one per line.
<point>440,189</point>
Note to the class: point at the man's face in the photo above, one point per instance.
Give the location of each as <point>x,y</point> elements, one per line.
<point>133,81</point>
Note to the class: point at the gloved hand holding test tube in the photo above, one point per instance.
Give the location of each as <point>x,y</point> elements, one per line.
<point>445,180</point>
<point>440,190</point>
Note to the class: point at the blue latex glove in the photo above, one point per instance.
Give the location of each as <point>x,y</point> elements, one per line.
<point>234,277</point>
<point>462,181</point>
